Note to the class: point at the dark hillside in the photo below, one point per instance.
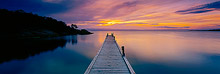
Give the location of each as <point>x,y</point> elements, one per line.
<point>21,24</point>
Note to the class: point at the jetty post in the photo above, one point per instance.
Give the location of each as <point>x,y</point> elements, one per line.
<point>123,51</point>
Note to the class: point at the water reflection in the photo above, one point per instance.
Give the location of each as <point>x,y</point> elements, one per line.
<point>24,48</point>
<point>45,56</point>
<point>176,46</point>
<point>149,52</point>
<point>170,52</point>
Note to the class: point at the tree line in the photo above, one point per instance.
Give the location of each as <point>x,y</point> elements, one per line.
<point>20,23</point>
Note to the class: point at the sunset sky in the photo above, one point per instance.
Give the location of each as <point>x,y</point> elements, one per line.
<point>126,14</point>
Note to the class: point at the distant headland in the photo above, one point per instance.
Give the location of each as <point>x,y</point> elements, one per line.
<point>20,24</point>
<point>207,30</point>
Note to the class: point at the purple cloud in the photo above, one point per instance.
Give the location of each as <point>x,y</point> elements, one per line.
<point>42,7</point>
<point>122,9</point>
<point>171,27</point>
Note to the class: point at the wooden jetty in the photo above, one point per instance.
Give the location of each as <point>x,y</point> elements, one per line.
<point>110,59</point>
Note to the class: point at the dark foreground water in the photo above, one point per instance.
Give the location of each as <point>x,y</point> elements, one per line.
<point>149,52</point>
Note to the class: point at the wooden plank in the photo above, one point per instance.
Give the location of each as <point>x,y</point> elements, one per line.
<point>109,60</point>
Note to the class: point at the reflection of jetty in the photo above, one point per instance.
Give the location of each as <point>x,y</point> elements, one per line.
<point>109,59</point>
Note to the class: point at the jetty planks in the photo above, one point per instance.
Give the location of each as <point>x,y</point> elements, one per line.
<point>109,59</point>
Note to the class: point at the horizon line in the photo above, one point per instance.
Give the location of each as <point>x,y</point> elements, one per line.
<point>150,30</point>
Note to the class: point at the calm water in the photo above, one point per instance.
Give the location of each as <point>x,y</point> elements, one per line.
<point>149,52</point>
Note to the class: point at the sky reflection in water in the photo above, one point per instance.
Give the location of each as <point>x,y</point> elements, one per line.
<point>170,52</point>
<point>149,52</point>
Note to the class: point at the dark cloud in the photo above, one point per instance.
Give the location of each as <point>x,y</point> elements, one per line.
<point>40,6</point>
<point>139,23</point>
<point>171,27</point>
<point>201,8</point>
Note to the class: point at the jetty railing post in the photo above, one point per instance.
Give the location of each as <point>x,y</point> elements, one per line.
<point>112,34</point>
<point>123,51</point>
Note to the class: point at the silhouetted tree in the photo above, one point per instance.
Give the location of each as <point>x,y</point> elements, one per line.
<point>74,26</point>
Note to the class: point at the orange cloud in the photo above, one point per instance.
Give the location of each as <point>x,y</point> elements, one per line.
<point>108,22</point>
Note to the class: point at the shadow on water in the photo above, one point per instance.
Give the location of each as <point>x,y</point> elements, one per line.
<point>19,49</point>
